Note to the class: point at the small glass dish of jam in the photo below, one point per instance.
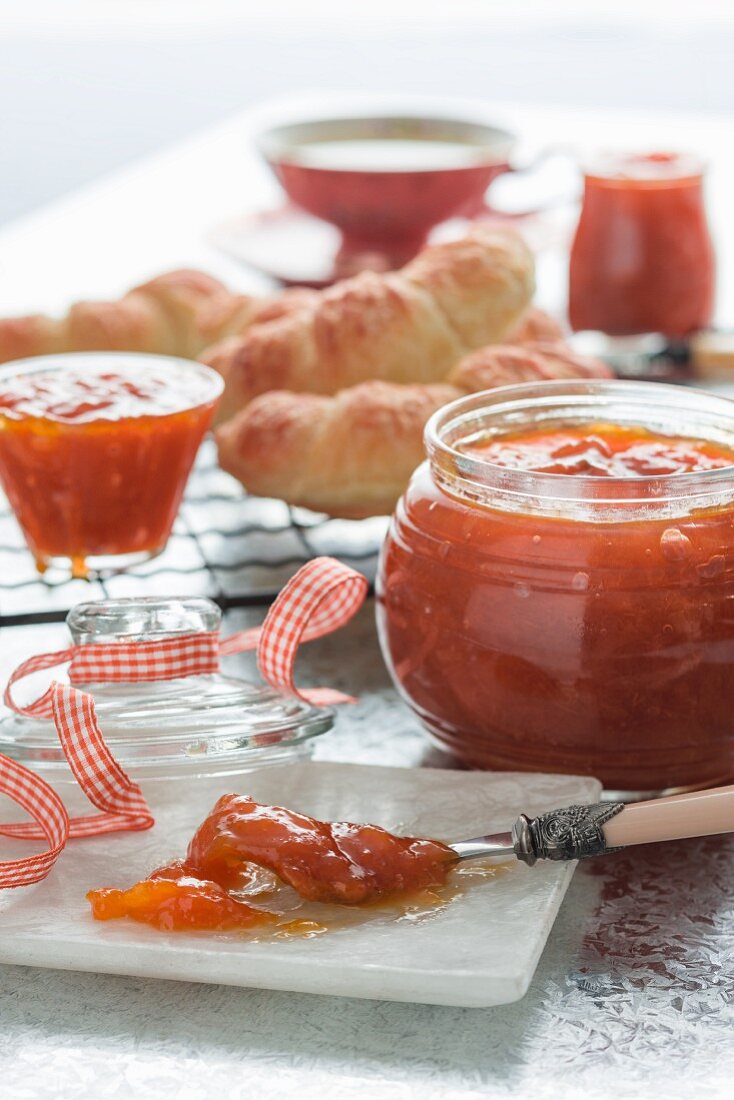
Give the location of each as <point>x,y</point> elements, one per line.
<point>556,588</point>
<point>95,451</point>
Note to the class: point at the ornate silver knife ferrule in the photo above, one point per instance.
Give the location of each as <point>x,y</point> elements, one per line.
<point>574,832</point>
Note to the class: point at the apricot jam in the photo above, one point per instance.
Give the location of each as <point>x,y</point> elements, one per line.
<point>335,863</point>
<point>173,899</point>
<point>602,450</point>
<point>556,591</point>
<point>95,450</point>
<point>323,861</point>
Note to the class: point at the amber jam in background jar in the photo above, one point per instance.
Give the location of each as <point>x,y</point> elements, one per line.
<point>95,451</point>
<point>642,258</point>
<point>576,621</point>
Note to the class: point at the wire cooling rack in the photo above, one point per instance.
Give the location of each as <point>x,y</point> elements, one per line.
<point>235,549</point>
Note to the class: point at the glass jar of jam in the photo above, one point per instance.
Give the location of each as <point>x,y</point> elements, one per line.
<point>642,258</point>
<point>95,451</point>
<point>190,726</point>
<point>556,589</point>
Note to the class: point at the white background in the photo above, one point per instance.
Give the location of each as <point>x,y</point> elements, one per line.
<point>88,85</point>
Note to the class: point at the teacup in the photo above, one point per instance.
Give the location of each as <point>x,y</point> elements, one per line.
<point>386,181</point>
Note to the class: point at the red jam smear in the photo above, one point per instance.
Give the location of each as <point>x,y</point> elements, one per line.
<point>602,450</point>
<point>173,899</point>
<point>349,865</point>
<point>564,643</point>
<point>326,862</point>
<point>94,462</point>
<point>642,259</point>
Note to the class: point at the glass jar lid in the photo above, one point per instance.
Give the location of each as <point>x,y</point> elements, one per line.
<point>207,724</point>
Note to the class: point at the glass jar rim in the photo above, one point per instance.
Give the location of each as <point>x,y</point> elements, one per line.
<point>211,381</point>
<point>654,168</point>
<point>648,404</point>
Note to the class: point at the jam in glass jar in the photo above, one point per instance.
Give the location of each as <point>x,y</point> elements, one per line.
<point>556,588</point>
<point>642,260</point>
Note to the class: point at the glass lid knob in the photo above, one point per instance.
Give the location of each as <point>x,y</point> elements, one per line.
<point>141,619</point>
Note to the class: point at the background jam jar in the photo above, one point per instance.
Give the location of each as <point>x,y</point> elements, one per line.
<point>642,259</point>
<point>579,624</point>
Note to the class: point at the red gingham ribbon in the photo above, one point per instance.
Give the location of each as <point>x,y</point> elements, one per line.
<point>119,662</point>
<point>320,598</point>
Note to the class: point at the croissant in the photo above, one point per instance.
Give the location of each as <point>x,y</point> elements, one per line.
<point>536,361</point>
<point>535,324</point>
<point>159,316</point>
<point>230,315</point>
<point>351,455</point>
<point>178,313</point>
<point>406,326</point>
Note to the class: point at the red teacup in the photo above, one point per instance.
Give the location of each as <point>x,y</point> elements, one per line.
<point>385,182</point>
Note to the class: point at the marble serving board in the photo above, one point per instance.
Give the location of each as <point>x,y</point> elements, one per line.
<point>481,949</point>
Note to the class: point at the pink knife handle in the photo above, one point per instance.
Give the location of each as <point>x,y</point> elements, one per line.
<point>700,813</point>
